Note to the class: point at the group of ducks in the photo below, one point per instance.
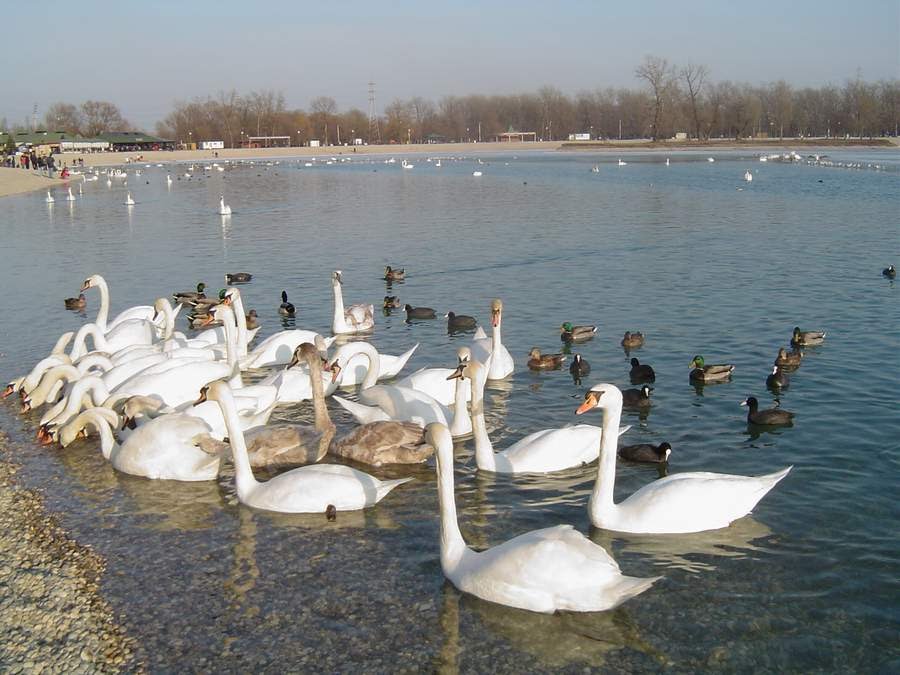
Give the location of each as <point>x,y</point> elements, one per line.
<point>455,322</point>
<point>179,406</point>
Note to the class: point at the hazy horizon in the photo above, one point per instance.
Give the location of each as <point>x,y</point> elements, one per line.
<point>143,58</point>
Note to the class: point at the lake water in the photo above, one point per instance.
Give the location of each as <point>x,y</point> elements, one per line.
<point>690,254</point>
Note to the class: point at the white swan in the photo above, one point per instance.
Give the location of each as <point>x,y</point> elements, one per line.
<point>278,349</point>
<point>380,402</point>
<point>355,318</point>
<point>216,335</point>
<point>168,180</point>
<point>491,351</point>
<point>406,165</point>
<point>667,161</point>
<point>748,176</point>
<point>547,570</point>
<point>224,209</point>
<point>70,197</point>
<point>56,357</point>
<point>136,312</point>
<point>541,452</point>
<point>308,489</point>
<point>684,502</point>
<point>355,364</point>
<point>166,448</point>
<point>49,198</point>
<point>294,383</point>
<point>123,335</point>
<point>128,200</point>
<point>477,174</point>
<point>621,163</point>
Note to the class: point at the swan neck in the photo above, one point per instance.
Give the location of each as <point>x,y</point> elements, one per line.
<point>323,422</point>
<point>79,345</point>
<point>241,322</point>
<point>339,322</point>
<point>484,450</point>
<point>231,348</point>
<point>169,316</point>
<point>372,357</point>
<point>243,473</point>
<point>92,385</point>
<point>108,445</point>
<point>452,543</point>
<point>40,393</point>
<point>103,312</point>
<point>61,343</point>
<point>601,502</point>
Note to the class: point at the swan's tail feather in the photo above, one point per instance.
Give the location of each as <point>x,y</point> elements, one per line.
<point>405,356</point>
<point>363,413</point>
<point>388,485</point>
<point>625,589</point>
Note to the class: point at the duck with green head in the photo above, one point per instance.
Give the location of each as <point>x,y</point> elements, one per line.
<point>188,296</point>
<point>709,373</point>
<point>571,333</point>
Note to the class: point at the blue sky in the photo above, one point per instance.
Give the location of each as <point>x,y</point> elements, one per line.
<point>147,55</point>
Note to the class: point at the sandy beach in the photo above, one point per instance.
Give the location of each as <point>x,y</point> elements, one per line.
<point>15,181</point>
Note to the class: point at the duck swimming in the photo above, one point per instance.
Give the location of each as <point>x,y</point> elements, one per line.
<point>890,272</point>
<point>571,333</point>
<point>579,368</point>
<point>641,373</point>
<point>646,453</point>
<point>286,308</point>
<point>419,312</point>
<point>76,303</point>
<point>391,274</point>
<point>788,359</point>
<point>188,296</point>
<point>460,322</point>
<point>637,398</point>
<point>709,373</point>
<point>632,340</point>
<point>538,361</point>
<point>769,417</point>
<point>391,302</point>
<point>778,379</point>
<point>805,338</point>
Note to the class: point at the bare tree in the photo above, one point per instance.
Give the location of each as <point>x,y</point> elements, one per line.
<point>659,75</point>
<point>102,116</point>
<point>63,117</point>
<point>694,76</point>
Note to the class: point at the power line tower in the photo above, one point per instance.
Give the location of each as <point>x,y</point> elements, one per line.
<point>34,118</point>
<point>374,130</point>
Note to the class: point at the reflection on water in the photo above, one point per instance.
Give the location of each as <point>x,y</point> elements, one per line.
<point>690,262</point>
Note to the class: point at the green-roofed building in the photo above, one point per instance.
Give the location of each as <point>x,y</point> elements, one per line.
<point>131,141</point>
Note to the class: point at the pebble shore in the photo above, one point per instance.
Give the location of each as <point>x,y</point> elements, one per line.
<point>52,615</point>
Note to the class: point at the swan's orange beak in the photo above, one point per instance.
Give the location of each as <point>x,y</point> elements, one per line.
<point>458,373</point>
<point>44,436</point>
<point>26,405</point>
<point>590,402</point>
<point>226,300</point>
<point>335,371</point>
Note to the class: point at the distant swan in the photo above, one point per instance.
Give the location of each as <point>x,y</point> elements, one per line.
<point>224,209</point>
<point>128,200</point>
<point>748,176</point>
<point>50,198</point>
<point>70,197</point>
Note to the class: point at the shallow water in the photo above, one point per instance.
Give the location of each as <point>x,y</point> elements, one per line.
<point>809,581</point>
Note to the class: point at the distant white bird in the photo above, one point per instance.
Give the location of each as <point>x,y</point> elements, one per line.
<point>128,200</point>
<point>710,159</point>
<point>667,161</point>
<point>406,165</point>
<point>476,173</point>
<point>224,209</point>
<point>748,176</point>
<point>621,163</point>
<point>108,182</point>
<point>70,197</point>
<point>50,198</point>
<point>169,179</point>
<point>80,191</point>
<point>438,164</point>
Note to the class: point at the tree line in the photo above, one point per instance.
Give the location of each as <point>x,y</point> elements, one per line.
<point>672,99</point>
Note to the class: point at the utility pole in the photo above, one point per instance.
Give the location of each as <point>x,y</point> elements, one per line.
<point>374,131</point>
<point>479,132</point>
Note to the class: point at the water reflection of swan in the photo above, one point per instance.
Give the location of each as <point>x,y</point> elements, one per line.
<point>689,552</point>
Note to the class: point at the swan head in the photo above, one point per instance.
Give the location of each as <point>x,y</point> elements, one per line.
<point>229,296</point>
<point>336,278</point>
<point>46,435</point>
<point>696,362</point>
<point>603,396</point>
<point>496,312</point>
<point>71,432</point>
<point>91,281</point>
<point>12,387</point>
<point>468,369</point>
<point>463,355</point>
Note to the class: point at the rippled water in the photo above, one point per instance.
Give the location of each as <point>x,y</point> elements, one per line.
<point>809,581</point>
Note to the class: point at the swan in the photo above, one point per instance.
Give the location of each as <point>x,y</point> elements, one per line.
<point>406,165</point>
<point>136,312</point>
<point>55,378</point>
<point>122,336</point>
<point>541,452</point>
<point>128,200</point>
<point>307,489</point>
<point>547,570</point>
<point>56,357</point>
<point>50,198</point>
<point>293,384</point>
<point>677,504</point>
<point>166,448</point>
<point>386,402</point>
<point>667,161</point>
<point>278,349</point>
<point>169,180</point>
<point>621,163</point>
<point>748,176</point>
<point>70,197</point>
<point>224,209</point>
<point>477,174</point>
<point>355,318</point>
<point>491,350</point>
<point>356,365</point>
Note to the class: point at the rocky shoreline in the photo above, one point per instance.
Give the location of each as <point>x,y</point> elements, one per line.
<point>53,617</point>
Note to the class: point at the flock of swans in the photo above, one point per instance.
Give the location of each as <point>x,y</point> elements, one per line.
<point>169,406</point>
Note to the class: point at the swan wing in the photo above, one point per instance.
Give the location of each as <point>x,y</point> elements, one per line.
<point>403,404</point>
<point>553,449</point>
<point>434,382</point>
<point>692,502</point>
<point>362,413</point>
<point>167,448</point>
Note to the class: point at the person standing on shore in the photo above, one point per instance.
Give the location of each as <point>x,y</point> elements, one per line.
<point>51,166</point>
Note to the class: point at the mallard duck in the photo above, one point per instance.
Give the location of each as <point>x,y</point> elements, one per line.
<point>392,274</point>
<point>392,302</point>
<point>890,272</point>
<point>571,333</point>
<point>641,373</point>
<point>204,304</point>
<point>636,398</point>
<point>460,321</point>
<point>76,303</point>
<point>805,338</point>
<point>538,361</point>
<point>632,340</point>
<point>709,373</point>
<point>187,296</point>
<point>788,359</point>
<point>286,308</point>
<point>238,278</point>
<point>777,379</point>
<point>197,320</point>
<point>769,417</point>
<point>419,312</point>
<point>646,453</point>
<point>579,367</point>
<point>252,319</point>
